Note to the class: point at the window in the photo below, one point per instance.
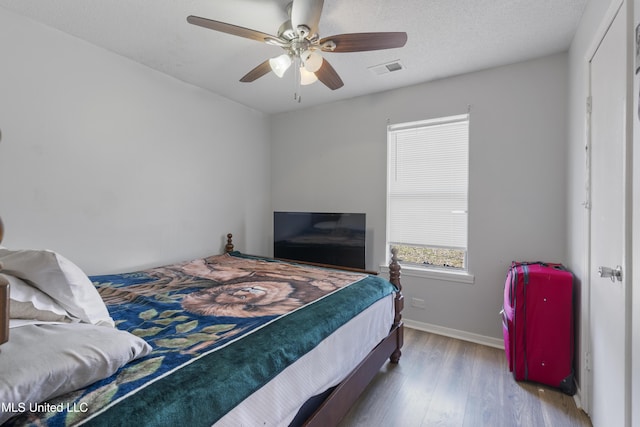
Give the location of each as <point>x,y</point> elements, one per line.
<point>427,174</point>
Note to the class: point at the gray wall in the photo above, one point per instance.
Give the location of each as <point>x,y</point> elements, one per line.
<point>333,158</point>
<point>117,166</point>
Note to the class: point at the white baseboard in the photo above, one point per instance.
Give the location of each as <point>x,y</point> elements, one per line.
<point>455,333</point>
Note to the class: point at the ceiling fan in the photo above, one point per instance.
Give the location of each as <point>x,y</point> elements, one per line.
<point>299,38</point>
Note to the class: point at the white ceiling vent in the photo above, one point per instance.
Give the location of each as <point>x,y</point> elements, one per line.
<point>387,68</point>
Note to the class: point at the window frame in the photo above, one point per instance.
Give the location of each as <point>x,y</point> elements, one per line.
<point>455,274</point>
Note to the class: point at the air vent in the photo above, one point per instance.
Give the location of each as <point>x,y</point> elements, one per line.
<point>389,67</point>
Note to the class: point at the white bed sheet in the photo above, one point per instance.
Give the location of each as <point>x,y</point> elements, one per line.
<point>278,401</point>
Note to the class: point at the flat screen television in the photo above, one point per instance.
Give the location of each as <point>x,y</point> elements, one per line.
<point>325,238</point>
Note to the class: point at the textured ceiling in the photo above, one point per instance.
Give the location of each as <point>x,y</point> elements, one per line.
<point>445,38</point>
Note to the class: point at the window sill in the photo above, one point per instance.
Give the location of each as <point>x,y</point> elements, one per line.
<point>430,273</point>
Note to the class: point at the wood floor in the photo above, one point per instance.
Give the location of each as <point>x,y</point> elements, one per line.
<point>442,381</point>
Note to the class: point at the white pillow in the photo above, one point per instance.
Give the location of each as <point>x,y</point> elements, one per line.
<point>59,278</point>
<point>27,302</point>
<point>40,362</point>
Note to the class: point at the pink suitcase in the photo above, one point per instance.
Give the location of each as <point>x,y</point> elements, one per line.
<point>537,321</point>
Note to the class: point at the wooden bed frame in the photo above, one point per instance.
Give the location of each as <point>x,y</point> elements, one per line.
<point>336,405</point>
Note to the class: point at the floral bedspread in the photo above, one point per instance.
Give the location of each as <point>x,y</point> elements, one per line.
<point>187,311</point>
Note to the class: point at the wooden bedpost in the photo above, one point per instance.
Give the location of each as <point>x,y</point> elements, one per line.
<point>394,269</point>
<point>229,246</point>
<point>394,277</point>
<point>4,301</point>
<point>4,309</point>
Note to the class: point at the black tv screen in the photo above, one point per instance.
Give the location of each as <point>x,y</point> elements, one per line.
<point>325,238</point>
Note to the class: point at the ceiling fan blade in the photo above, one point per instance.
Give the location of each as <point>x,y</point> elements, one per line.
<point>328,75</point>
<point>229,28</point>
<point>360,42</point>
<point>257,72</point>
<point>306,12</point>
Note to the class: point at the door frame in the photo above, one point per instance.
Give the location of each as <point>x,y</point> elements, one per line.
<point>634,12</point>
<point>585,393</point>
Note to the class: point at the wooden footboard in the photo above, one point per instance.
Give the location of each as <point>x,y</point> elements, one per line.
<point>338,403</point>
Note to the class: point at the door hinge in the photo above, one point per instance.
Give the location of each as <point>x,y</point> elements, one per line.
<point>589,104</point>
<point>587,361</point>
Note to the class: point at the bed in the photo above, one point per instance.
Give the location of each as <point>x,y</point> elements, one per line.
<point>229,339</point>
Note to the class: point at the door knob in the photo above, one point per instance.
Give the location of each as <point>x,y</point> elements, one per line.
<point>612,273</point>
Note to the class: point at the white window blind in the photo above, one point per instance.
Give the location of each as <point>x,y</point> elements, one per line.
<point>427,183</point>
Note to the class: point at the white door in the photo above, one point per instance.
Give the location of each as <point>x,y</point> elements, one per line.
<point>607,324</point>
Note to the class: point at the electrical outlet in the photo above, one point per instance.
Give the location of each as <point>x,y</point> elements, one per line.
<point>418,303</point>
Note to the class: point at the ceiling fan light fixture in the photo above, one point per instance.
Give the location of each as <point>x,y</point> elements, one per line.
<point>280,64</point>
<point>307,77</point>
<point>312,60</point>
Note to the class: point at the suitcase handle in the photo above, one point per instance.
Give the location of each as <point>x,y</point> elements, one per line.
<point>557,266</point>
